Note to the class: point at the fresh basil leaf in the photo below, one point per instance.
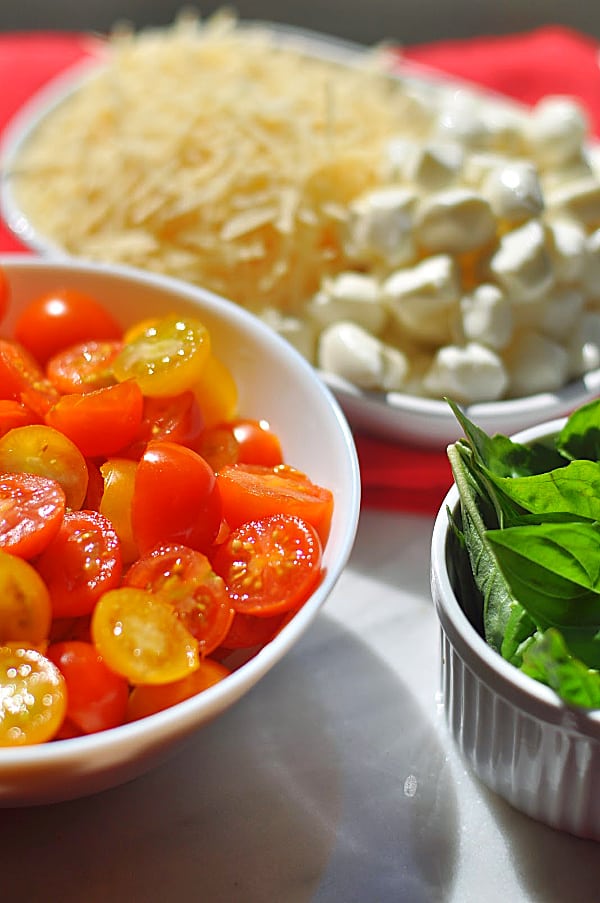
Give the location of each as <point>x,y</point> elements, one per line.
<point>584,644</point>
<point>574,489</point>
<point>496,597</point>
<point>551,571</point>
<point>549,660</point>
<point>580,436</point>
<point>520,628</point>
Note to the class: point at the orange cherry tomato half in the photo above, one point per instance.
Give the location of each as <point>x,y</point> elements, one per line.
<point>31,512</point>
<point>44,451</point>
<point>61,318</point>
<point>14,414</point>
<point>240,442</point>
<point>100,423</point>
<point>96,697</point>
<point>251,491</point>
<point>270,565</point>
<point>81,562</point>
<point>22,379</point>
<point>25,611</point>
<point>33,697</point>
<point>146,699</point>
<point>185,577</point>
<point>139,636</point>
<point>175,500</point>
<point>84,367</point>
<point>176,419</point>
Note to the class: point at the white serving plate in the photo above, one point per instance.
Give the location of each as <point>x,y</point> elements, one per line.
<point>393,416</point>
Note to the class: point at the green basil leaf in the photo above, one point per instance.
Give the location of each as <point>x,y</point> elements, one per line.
<point>549,660</point>
<point>574,489</point>
<point>580,436</point>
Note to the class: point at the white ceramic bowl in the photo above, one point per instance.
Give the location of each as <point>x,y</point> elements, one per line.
<point>274,383</point>
<point>519,738</point>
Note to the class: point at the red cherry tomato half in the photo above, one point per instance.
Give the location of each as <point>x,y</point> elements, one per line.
<point>176,419</point>
<point>83,367</point>
<point>100,423</point>
<point>270,565</point>
<point>96,697</point>
<point>4,293</point>
<point>14,414</point>
<point>240,442</point>
<point>31,512</point>
<point>175,499</point>
<point>23,380</point>
<point>186,578</point>
<point>81,563</point>
<point>147,699</point>
<point>250,491</point>
<point>61,318</point>
<point>247,631</point>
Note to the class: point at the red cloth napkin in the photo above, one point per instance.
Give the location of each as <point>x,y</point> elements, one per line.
<point>549,60</point>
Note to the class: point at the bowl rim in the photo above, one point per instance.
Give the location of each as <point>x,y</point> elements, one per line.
<point>503,678</point>
<point>182,718</point>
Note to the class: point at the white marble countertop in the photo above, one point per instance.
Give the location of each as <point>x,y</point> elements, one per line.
<point>334,781</point>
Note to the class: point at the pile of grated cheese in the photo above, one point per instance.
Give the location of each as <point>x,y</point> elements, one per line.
<point>212,152</point>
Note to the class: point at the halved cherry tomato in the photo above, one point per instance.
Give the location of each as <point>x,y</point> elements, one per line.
<point>240,442</point>
<point>45,451</point>
<point>61,318</point>
<point>139,636</point>
<point>31,512</point>
<point>247,631</point>
<point>22,379</point>
<point>14,414</point>
<point>216,391</point>
<point>25,611</point>
<point>185,577</point>
<point>270,565</point>
<point>177,419</point>
<point>95,489</point>
<point>166,358</point>
<point>100,423</point>
<point>115,503</point>
<point>146,699</point>
<point>4,293</point>
<point>250,491</point>
<point>96,696</point>
<point>83,367</point>
<point>80,563</point>
<point>33,697</point>
<point>176,499</point>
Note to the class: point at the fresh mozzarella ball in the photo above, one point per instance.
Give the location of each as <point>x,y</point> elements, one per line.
<point>522,264</point>
<point>454,221</point>
<point>298,331</point>
<point>591,270</point>
<point>535,364</point>
<point>350,352</point>
<point>424,298</point>
<point>555,130</point>
<point>380,227</point>
<point>560,312</point>
<point>435,165</point>
<point>460,120</point>
<point>567,249</point>
<point>514,192</point>
<point>584,345</point>
<point>505,128</point>
<point>579,199</point>
<point>486,316</point>
<point>349,296</point>
<point>466,374</point>
<point>478,166</point>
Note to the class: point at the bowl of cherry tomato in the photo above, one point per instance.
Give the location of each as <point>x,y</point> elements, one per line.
<point>179,494</point>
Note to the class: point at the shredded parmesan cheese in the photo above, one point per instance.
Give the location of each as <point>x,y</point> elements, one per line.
<point>214,153</point>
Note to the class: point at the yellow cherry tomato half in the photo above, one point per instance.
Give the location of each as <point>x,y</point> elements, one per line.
<point>46,452</point>
<point>165,358</point>
<point>119,482</point>
<point>33,697</point>
<point>25,608</point>
<point>216,392</point>
<point>139,635</point>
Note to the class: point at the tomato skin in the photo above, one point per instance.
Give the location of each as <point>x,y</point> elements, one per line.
<point>100,423</point>
<point>82,562</point>
<point>84,367</point>
<point>22,379</point>
<point>40,688</point>
<point>4,293</point>
<point>247,631</point>
<point>14,414</point>
<point>118,475</point>
<point>173,418</point>
<point>61,318</point>
<point>252,491</point>
<point>147,699</point>
<point>185,577</point>
<point>240,442</point>
<point>216,391</point>
<point>271,565</point>
<point>42,450</point>
<point>175,500</point>
<point>31,512</point>
<point>96,697</point>
<point>25,610</point>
